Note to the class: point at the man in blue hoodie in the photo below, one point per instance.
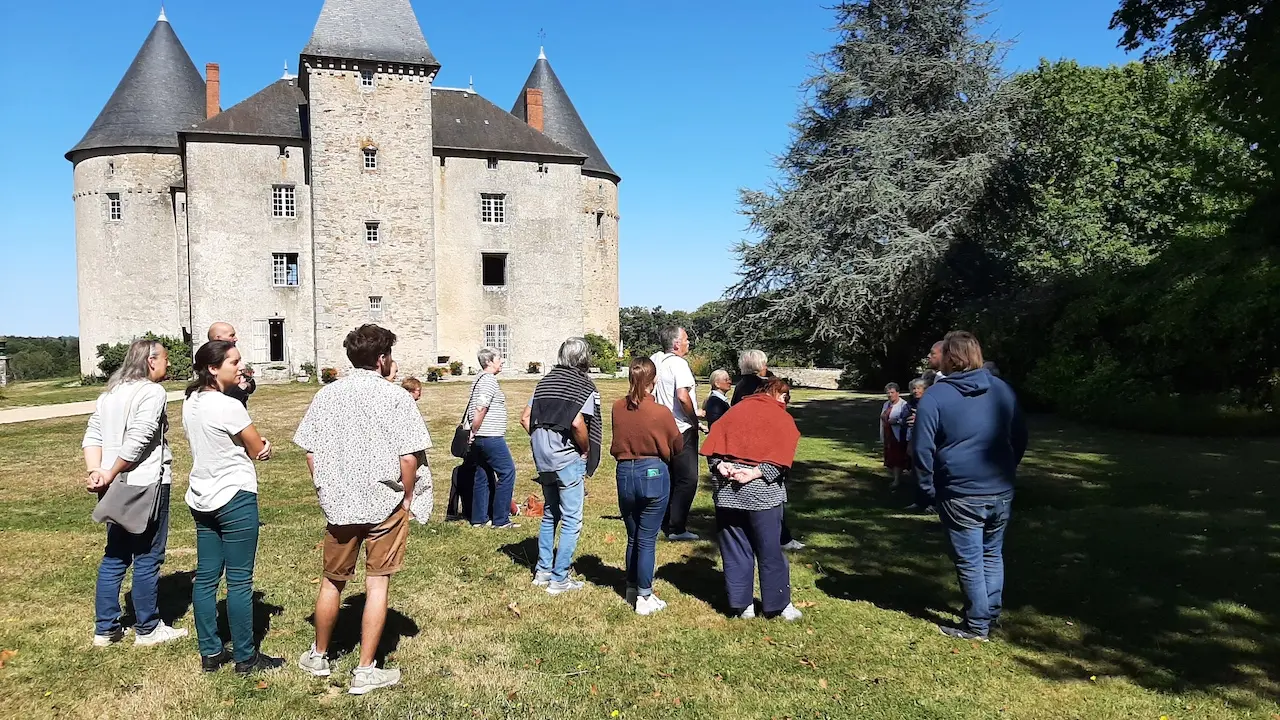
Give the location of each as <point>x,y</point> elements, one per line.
<point>969,438</point>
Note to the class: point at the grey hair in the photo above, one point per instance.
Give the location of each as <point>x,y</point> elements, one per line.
<point>135,366</point>
<point>575,353</point>
<point>486,356</point>
<point>668,336</point>
<point>919,382</point>
<point>892,386</point>
<point>718,374</point>
<point>751,362</point>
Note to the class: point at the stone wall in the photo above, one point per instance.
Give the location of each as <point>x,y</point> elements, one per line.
<point>821,378</point>
<point>542,301</point>
<point>600,256</point>
<point>233,235</point>
<point>395,117</point>
<point>127,270</point>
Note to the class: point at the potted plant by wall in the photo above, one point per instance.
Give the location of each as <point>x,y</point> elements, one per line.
<point>308,372</point>
<point>455,367</point>
<point>535,368</point>
<point>328,375</point>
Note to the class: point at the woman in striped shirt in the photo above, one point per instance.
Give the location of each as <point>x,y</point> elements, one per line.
<point>489,461</point>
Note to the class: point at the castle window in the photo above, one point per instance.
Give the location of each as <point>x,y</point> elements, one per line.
<point>284,269</point>
<point>284,202</point>
<point>371,158</point>
<point>599,224</point>
<point>366,78</point>
<point>371,232</point>
<point>375,304</point>
<point>493,269</point>
<point>491,163</point>
<point>493,208</point>
<point>115,211</point>
<point>111,167</point>
<point>495,336</point>
<point>542,168</point>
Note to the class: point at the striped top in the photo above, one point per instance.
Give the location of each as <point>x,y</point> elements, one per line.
<point>487,393</point>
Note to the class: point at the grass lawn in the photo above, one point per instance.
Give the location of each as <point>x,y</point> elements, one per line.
<point>1143,581</point>
<point>54,391</point>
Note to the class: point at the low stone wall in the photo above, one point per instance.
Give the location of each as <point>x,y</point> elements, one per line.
<point>821,378</point>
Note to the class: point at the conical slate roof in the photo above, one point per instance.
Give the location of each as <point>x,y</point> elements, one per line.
<point>385,30</point>
<point>161,93</point>
<point>560,120</point>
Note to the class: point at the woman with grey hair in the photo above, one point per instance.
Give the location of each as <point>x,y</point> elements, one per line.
<point>893,433</point>
<point>754,366</point>
<point>488,470</point>
<point>717,403</point>
<point>125,443</point>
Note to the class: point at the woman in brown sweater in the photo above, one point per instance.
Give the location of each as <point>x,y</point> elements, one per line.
<point>645,438</point>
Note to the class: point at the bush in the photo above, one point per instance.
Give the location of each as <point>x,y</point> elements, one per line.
<point>328,375</point>
<point>455,367</point>
<point>309,369</point>
<point>604,354</point>
<point>535,368</point>
<point>700,364</point>
<point>434,373</point>
<point>853,378</point>
<point>111,357</point>
<point>89,380</point>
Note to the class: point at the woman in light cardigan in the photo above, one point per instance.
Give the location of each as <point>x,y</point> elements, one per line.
<point>125,442</point>
<point>893,432</point>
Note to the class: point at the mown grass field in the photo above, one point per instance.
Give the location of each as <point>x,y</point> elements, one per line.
<point>55,390</point>
<point>1143,582</point>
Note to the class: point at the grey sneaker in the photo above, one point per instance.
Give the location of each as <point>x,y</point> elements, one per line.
<point>161,634</point>
<point>365,679</point>
<point>683,537</point>
<point>315,663</point>
<point>110,638</point>
<point>542,578</point>
<point>563,586</point>
<point>793,545</point>
<point>961,633</point>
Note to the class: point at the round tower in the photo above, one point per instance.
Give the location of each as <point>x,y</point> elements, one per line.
<point>545,105</point>
<point>128,185</point>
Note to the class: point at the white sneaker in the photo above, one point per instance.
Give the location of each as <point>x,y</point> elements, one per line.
<point>648,604</point>
<point>365,679</point>
<point>793,545</point>
<point>315,663</point>
<point>683,537</point>
<point>748,614</point>
<point>111,638</point>
<point>632,594</point>
<point>563,586</point>
<point>790,613</point>
<point>162,634</point>
<point>542,578</point>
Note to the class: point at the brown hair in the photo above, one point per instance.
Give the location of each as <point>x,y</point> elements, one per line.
<point>641,375</point>
<point>776,387</point>
<point>960,352</point>
<point>366,343</point>
<point>412,384</point>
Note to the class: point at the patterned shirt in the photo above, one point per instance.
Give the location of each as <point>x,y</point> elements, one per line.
<point>487,393</point>
<point>358,428</point>
<point>763,493</point>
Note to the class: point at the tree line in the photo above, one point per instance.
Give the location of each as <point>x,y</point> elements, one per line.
<point>1109,232</point>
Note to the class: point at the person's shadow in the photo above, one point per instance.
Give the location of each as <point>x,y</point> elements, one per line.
<point>523,553</point>
<point>346,632</point>
<point>697,576</point>
<point>262,614</point>
<point>596,572</point>
<point>173,598</point>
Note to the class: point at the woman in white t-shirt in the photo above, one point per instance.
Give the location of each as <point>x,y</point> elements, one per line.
<point>223,497</point>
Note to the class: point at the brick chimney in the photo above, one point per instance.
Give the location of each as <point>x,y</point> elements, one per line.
<point>533,107</point>
<point>213,91</point>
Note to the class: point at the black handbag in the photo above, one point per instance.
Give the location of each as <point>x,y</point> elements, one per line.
<point>461,444</point>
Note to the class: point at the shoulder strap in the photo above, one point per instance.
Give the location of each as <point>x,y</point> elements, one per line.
<point>466,411</point>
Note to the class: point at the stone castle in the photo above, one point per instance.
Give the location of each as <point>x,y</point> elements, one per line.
<point>353,192</point>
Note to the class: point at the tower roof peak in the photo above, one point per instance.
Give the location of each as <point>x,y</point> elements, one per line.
<point>162,17</point>
<point>561,121</point>
<point>160,93</point>
<point>385,30</point>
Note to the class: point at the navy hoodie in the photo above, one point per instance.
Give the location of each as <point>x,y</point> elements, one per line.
<point>969,436</point>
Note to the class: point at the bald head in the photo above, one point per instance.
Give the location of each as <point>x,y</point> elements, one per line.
<point>222,331</point>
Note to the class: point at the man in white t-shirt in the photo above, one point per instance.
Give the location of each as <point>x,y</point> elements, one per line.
<point>676,389</point>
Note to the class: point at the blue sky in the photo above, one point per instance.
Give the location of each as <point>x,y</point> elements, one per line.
<point>688,101</point>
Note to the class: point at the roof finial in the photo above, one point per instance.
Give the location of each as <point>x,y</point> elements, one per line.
<point>471,83</point>
<point>542,35</point>
<point>162,18</point>
<point>286,75</point>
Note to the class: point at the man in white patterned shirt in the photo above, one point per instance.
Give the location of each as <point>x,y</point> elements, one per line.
<point>364,438</point>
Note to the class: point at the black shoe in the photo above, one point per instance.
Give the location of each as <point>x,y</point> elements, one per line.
<point>961,633</point>
<point>211,663</point>
<point>259,663</point>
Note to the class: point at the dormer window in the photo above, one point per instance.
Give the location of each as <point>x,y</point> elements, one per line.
<point>491,163</point>
<point>371,158</point>
<point>366,78</point>
<point>543,169</point>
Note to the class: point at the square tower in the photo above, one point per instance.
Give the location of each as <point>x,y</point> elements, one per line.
<point>367,74</point>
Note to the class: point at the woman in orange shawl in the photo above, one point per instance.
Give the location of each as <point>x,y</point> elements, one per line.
<point>750,451</point>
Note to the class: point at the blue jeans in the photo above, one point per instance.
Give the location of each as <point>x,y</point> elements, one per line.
<point>644,487</point>
<point>563,496</point>
<point>226,539</point>
<point>145,551</point>
<point>975,526</point>
<point>489,463</point>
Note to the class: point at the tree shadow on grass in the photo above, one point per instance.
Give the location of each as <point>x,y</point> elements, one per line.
<point>1158,551</point>
<point>346,633</point>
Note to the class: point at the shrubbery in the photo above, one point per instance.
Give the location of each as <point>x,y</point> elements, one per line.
<point>111,357</point>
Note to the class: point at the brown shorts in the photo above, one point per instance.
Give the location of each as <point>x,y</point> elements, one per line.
<point>384,546</point>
